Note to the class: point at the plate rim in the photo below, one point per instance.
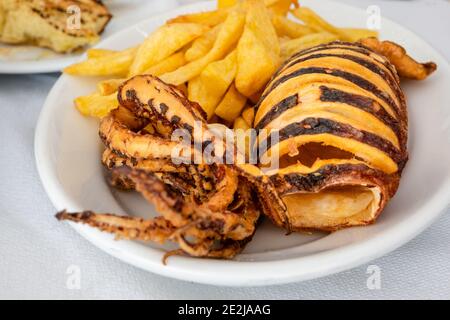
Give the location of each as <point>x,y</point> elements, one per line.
<point>325,263</point>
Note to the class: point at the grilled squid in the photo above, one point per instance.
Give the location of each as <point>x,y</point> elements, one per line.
<point>341,123</point>
<point>208,208</point>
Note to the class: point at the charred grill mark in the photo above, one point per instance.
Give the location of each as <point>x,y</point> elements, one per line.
<point>190,106</point>
<point>313,182</point>
<point>158,116</point>
<point>353,47</point>
<point>312,126</point>
<point>167,193</point>
<point>277,110</point>
<point>188,127</point>
<point>364,103</point>
<point>133,161</point>
<point>393,84</point>
<point>216,225</point>
<point>131,95</point>
<point>175,119</point>
<point>163,107</point>
<point>355,79</point>
<point>178,181</point>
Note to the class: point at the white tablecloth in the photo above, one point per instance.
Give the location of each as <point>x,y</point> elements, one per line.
<point>36,251</point>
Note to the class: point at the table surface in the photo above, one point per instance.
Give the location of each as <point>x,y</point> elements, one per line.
<point>38,255</point>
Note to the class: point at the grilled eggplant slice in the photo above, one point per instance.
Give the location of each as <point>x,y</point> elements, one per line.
<point>341,121</point>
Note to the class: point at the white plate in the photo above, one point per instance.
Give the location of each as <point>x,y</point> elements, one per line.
<point>68,159</point>
<point>28,59</point>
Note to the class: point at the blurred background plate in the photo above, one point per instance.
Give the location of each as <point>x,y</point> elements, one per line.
<point>24,59</point>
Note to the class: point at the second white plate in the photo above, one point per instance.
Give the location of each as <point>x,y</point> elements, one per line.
<point>23,59</point>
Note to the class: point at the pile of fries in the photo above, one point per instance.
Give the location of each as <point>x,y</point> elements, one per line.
<point>221,59</point>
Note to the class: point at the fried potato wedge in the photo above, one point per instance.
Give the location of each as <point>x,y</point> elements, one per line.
<point>213,83</point>
<point>258,50</point>
<point>268,3</point>
<point>110,86</point>
<point>225,3</point>
<point>208,18</point>
<point>240,123</point>
<point>248,114</point>
<point>259,21</point>
<point>97,53</point>
<point>228,36</point>
<point>255,64</point>
<point>169,64</point>
<point>281,7</point>
<point>355,34</point>
<point>96,105</point>
<point>231,105</point>
<point>289,28</point>
<point>164,42</point>
<point>317,23</point>
<point>107,87</point>
<point>202,45</point>
<point>288,48</point>
<point>115,64</point>
<point>195,90</point>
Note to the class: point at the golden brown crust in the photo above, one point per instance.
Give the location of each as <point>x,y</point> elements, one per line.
<point>208,209</point>
<point>406,66</point>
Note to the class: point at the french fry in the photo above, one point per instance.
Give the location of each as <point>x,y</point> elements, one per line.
<point>258,50</point>
<point>228,36</point>
<point>269,3</point>
<point>253,76</point>
<point>283,39</point>
<point>289,28</point>
<point>281,7</point>
<point>167,65</point>
<point>97,53</point>
<point>355,34</point>
<point>115,64</point>
<point>96,105</point>
<point>314,21</point>
<point>291,47</point>
<point>225,3</point>
<point>163,43</point>
<point>209,18</point>
<point>240,123</point>
<point>110,86</point>
<point>230,3</point>
<point>258,20</point>
<point>209,88</point>
<point>202,45</point>
<point>194,88</point>
<point>171,63</point>
<point>248,115</point>
<point>231,105</point>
